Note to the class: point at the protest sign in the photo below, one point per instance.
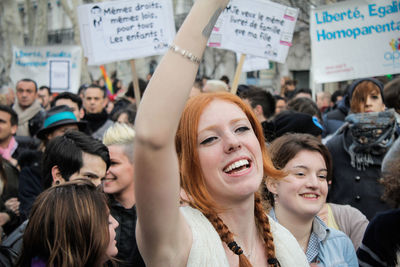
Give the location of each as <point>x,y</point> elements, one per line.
<point>258,28</point>
<point>58,67</point>
<point>59,74</point>
<point>253,63</point>
<point>123,30</point>
<point>355,39</point>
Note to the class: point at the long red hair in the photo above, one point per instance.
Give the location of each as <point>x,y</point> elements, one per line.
<point>192,179</point>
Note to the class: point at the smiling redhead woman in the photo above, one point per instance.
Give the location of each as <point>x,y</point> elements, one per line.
<point>213,148</point>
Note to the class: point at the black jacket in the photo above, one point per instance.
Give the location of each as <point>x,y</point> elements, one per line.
<point>357,188</point>
<point>333,119</point>
<point>25,143</point>
<point>381,240</point>
<point>30,185</point>
<point>10,248</point>
<point>36,123</point>
<point>10,191</point>
<point>128,252</point>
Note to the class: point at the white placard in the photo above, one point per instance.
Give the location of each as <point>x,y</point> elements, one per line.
<point>46,65</point>
<point>252,63</point>
<point>355,39</point>
<point>123,30</point>
<point>258,27</point>
<point>59,74</point>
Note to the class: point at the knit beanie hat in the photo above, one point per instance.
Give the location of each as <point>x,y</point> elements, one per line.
<point>357,82</point>
<point>291,122</point>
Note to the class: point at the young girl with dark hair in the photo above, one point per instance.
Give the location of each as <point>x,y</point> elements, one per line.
<point>300,195</point>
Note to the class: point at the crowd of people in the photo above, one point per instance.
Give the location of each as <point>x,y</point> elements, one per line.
<point>199,176</point>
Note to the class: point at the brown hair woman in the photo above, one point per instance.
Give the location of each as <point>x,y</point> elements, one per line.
<point>70,225</point>
<point>300,195</point>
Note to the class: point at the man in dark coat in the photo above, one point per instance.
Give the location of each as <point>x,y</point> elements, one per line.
<point>94,102</point>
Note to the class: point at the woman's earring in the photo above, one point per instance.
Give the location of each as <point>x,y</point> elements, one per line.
<point>57,182</point>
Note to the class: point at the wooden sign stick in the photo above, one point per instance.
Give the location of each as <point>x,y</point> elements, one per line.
<point>135,81</point>
<point>237,74</point>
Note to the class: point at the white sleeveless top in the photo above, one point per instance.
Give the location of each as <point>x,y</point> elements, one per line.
<point>207,249</point>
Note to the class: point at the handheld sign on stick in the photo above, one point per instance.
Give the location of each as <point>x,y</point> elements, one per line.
<point>237,74</point>
<point>135,82</point>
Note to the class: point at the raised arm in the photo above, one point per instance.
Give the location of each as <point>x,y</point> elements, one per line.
<point>163,236</point>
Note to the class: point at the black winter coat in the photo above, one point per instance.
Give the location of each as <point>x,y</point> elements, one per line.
<point>360,189</point>
<point>128,252</point>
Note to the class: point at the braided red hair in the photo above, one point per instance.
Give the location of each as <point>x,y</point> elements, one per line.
<point>264,229</point>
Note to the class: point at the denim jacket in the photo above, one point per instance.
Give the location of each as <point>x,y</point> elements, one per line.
<point>328,247</point>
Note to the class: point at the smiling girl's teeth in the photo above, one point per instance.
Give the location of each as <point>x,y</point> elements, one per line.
<point>310,195</point>
<point>237,164</point>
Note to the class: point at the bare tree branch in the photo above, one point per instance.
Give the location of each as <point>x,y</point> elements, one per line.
<point>11,33</point>
<point>31,25</point>
<point>71,13</point>
<point>41,24</point>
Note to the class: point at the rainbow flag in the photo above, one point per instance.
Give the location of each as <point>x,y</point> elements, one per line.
<point>107,80</point>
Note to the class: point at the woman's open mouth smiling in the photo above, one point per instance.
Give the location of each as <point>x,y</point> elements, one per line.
<point>238,167</point>
<point>310,195</point>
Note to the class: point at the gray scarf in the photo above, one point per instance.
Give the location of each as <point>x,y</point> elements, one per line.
<point>368,136</point>
<point>24,115</point>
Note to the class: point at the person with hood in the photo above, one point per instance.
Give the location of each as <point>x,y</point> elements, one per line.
<point>358,149</point>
